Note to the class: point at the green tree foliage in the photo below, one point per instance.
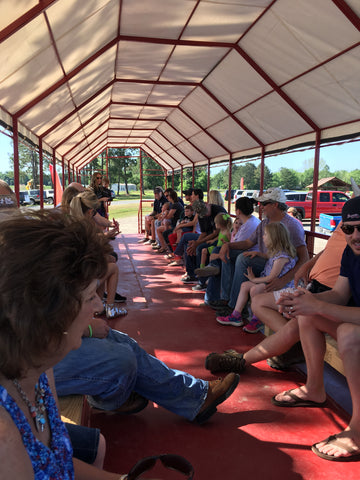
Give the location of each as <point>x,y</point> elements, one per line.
<point>121,161</point>
<point>289,179</point>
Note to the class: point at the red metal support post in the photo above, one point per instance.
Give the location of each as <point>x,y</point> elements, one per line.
<point>16,159</point>
<point>41,173</point>
<point>107,163</point>
<point>315,187</point>
<point>140,220</point>
<point>262,170</point>
<point>229,186</point>
<point>208,178</point>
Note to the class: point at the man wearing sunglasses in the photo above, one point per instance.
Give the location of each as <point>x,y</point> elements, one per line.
<point>328,312</point>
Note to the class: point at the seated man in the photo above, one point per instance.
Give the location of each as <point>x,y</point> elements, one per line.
<point>273,204</point>
<point>327,312</point>
<point>283,349</point>
<point>160,199</point>
<point>110,367</point>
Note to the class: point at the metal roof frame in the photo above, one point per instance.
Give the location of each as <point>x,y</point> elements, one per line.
<point>207,77</point>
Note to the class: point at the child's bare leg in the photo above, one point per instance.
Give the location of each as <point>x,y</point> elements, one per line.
<point>243,295</point>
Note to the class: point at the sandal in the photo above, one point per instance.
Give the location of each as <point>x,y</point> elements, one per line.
<point>336,440</point>
<point>297,401</point>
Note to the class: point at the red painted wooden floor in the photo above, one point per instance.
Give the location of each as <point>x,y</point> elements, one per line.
<point>248,437</point>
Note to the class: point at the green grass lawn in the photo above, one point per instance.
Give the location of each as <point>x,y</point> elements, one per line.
<point>128,210</point>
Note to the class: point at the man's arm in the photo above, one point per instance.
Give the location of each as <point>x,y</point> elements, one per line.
<point>241,245</point>
<point>330,304</point>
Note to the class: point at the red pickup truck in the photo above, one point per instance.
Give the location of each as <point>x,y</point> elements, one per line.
<point>328,201</point>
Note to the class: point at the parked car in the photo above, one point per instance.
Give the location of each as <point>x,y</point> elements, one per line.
<point>34,196</point>
<point>49,196</point>
<point>298,196</point>
<point>237,194</point>
<point>328,201</point>
<point>24,197</point>
<point>250,193</point>
<point>227,195</point>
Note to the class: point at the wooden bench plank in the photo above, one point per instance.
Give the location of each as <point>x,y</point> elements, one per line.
<point>71,408</point>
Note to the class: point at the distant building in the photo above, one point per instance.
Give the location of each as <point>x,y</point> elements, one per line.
<point>131,186</point>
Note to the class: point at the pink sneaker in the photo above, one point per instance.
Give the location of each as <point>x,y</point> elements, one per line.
<point>254,326</point>
<point>230,320</point>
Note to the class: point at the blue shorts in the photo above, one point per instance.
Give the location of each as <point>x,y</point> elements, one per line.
<point>85,442</point>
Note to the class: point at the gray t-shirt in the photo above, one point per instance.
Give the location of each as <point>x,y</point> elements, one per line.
<point>296,230</point>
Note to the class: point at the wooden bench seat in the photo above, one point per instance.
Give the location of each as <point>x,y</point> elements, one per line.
<point>74,409</point>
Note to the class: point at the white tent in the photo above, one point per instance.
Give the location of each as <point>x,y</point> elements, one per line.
<point>191,82</point>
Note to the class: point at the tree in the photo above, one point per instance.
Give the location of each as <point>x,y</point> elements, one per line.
<point>267,177</point>
<point>288,178</point>
<point>120,166</point>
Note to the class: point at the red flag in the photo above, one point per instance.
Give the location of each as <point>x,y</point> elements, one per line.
<point>58,187</point>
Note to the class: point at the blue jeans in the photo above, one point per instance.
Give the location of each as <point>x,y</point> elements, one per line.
<point>227,273</point>
<point>241,265</point>
<point>183,244</point>
<point>109,369</point>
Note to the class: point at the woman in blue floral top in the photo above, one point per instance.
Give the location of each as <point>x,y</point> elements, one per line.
<point>47,298</point>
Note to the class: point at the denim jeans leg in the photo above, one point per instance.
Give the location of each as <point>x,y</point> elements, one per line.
<point>227,274</point>
<point>109,369</point>
<point>103,369</point>
<point>185,239</point>
<point>242,263</point>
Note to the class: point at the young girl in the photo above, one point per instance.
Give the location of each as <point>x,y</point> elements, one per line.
<point>235,229</point>
<point>223,223</point>
<point>281,255</point>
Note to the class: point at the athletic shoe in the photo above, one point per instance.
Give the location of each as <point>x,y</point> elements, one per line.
<point>225,362</point>
<point>230,320</point>
<point>224,311</point>
<point>254,326</point>
<point>189,280</point>
<point>207,271</point>
<point>156,246</point>
<point>217,304</point>
<point>199,288</point>
<point>143,240</point>
<point>176,263</point>
<point>118,298</point>
<point>148,242</point>
<point>112,311</point>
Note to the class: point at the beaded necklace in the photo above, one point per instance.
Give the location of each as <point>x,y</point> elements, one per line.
<point>37,410</point>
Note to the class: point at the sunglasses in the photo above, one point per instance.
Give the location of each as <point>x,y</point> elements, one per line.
<point>349,229</point>
<point>98,178</point>
<point>174,462</point>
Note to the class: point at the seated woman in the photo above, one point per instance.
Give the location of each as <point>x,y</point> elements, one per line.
<point>82,206</point>
<point>175,211</point>
<point>40,322</point>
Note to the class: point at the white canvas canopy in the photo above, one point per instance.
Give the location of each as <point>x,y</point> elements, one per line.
<point>191,82</point>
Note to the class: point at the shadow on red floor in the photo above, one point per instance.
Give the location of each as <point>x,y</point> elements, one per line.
<point>248,438</point>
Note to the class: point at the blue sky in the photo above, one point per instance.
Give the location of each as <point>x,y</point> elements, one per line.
<point>342,157</point>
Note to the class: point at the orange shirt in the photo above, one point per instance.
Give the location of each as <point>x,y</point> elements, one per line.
<point>327,267</point>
